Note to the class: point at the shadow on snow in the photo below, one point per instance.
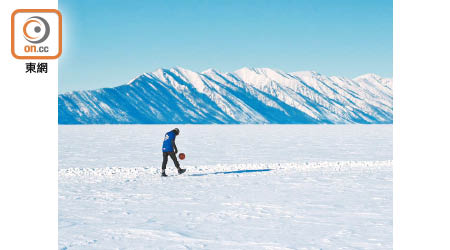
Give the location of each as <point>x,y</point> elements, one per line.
<point>234,172</point>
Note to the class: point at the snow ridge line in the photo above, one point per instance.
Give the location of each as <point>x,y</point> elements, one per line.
<point>119,172</point>
<point>247,96</point>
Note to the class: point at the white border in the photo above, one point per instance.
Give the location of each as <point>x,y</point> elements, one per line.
<point>29,140</point>
<point>421,129</point>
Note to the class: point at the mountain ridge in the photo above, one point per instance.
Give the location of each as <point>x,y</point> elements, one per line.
<point>247,95</point>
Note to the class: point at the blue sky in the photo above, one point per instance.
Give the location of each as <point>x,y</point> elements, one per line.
<point>107,42</point>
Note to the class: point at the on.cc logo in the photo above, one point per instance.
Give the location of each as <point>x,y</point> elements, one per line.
<point>36,29</point>
<point>36,34</point>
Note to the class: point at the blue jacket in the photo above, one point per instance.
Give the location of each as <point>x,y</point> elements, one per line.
<point>169,142</point>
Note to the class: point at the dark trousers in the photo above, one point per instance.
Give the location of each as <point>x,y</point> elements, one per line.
<point>174,159</point>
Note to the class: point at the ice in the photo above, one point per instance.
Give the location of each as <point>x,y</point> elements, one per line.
<point>97,146</point>
<point>329,206</point>
<point>246,187</point>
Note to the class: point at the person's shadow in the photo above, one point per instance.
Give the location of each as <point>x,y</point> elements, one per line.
<point>234,172</point>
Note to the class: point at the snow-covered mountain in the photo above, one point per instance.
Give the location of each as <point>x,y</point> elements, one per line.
<point>248,95</point>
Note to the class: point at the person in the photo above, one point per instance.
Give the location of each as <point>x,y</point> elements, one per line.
<point>170,149</point>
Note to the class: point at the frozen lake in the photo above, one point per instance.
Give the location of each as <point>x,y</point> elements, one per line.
<point>246,187</point>
<point>99,146</point>
<point>341,205</point>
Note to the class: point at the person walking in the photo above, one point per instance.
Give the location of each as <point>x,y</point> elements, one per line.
<point>170,149</point>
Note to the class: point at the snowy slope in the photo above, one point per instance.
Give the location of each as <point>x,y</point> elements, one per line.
<point>260,95</point>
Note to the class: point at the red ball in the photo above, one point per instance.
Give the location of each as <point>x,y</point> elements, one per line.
<point>181,156</point>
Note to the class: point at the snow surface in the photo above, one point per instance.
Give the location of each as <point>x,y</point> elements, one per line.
<point>97,146</point>
<point>251,201</point>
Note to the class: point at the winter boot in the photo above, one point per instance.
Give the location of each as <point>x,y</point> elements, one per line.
<point>181,170</point>
<point>163,174</point>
